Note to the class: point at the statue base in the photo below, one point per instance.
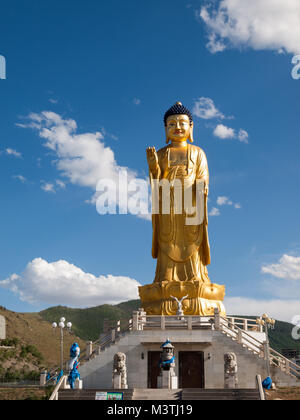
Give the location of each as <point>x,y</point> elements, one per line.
<point>167,380</point>
<point>202,300</point>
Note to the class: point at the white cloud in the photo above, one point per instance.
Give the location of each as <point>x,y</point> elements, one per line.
<point>83,159</point>
<point>225,201</point>
<point>137,101</point>
<point>214,212</point>
<point>287,268</point>
<point>243,136</point>
<point>205,108</point>
<point>222,201</point>
<point>285,277</point>
<point>48,187</point>
<point>13,152</point>
<point>224,132</point>
<point>280,309</point>
<point>60,183</point>
<point>20,178</point>
<point>258,24</point>
<point>62,283</point>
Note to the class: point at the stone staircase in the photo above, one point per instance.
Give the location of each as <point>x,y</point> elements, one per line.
<point>164,394</point>
<point>220,394</point>
<point>156,394</point>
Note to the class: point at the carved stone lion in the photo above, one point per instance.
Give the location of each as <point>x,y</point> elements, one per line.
<point>230,370</point>
<point>230,363</point>
<point>119,369</point>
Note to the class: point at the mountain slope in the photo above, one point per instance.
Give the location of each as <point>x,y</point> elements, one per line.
<point>32,330</point>
<point>88,323</point>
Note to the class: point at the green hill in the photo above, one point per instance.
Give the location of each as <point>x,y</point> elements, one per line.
<point>88,323</point>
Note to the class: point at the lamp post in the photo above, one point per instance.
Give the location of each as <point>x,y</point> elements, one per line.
<point>62,326</point>
<point>267,322</point>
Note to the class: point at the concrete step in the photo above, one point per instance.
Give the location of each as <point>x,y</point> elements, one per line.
<point>156,394</point>
<point>220,394</point>
<point>164,395</point>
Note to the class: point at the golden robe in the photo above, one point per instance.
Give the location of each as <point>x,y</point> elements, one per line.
<point>182,251</point>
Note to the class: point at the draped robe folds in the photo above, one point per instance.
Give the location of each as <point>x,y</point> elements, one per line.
<point>182,251</point>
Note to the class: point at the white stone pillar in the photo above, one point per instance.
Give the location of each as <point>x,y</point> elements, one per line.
<point>135,321</point>
<point>43,378</point>
<point>287,366</point>
<point>89,349</point>
<point>240,336</point>
<point>118,326</point>
<point>217,319</point>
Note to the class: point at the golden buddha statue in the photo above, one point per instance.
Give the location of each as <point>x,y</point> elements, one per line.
<point>180,245</point>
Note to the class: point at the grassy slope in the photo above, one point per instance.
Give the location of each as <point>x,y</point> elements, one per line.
<point>31,328</point>
<point>88,323</point>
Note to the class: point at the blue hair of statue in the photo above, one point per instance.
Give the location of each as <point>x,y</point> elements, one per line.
<point>73,350</point>
<point>178,109</point>
<point>267,383</point>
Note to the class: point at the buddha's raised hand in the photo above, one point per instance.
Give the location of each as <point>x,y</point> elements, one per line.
<point>152,159</point>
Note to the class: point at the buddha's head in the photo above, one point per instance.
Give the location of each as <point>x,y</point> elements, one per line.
<point>178,124</point>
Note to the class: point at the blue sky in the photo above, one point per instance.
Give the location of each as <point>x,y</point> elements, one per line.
<point>114,68</point>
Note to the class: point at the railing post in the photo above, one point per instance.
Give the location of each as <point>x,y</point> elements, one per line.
<point>89,349</point>
<point>217,319</point>
<point>240,336</point>
<point>260,388</point>
<point>287,366</point>
<point>266,351</point>
<point>245,324</point>
<point>135,321</point>
<point>233,324</point>
<point>118,326</point>
<point>143,318</point>
<point>130,324</point>
<point>43,378</point>
<point>113,335</point>
<point>190,322</point>
<point>262,352</point>
<point>162,322</point>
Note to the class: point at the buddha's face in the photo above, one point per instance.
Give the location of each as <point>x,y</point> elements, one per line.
<point>178,128</point>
